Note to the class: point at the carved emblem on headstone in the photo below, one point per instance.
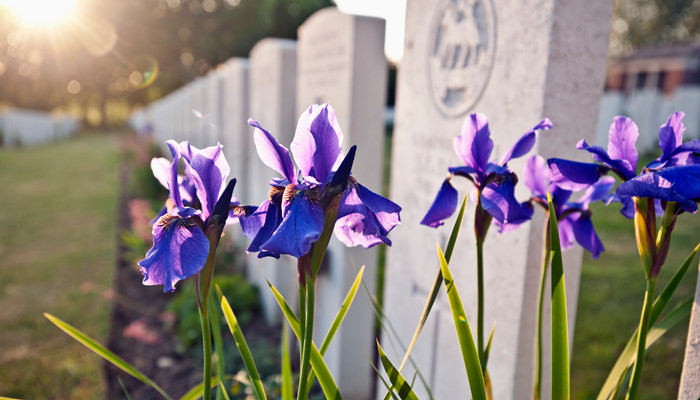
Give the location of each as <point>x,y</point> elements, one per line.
<point>461,54</point>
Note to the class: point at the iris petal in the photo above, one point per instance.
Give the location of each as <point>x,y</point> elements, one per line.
<point>622,137</point>
<point>526,142</point>
<point>679,184</point>
<point>623,167</point>
<point>208,169</point>
<point>179,250</point>
<point>574,175</point>
<point>272,154</point>
<point>271,221</point>
<point>498,199</point>
<point>474,144</point>
<point>671,134</point>
<point>536,176</point>
<point>300,228</point>
<point>365,218</point>
<point>317,143</point>
<point>443,206</point>
<point>586,235</point>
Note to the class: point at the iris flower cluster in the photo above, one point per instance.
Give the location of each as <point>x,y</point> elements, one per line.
<point>670,184</point>
<point>194,217</point>
<point>292,219</point>
<point>494,181</point>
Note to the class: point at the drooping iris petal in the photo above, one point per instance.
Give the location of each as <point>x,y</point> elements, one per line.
<point>443,206</point>
<point>179,250</point>
<point>574,175</point>
<point>365,218</point>
<point>671,134</point>
<point>586,235</point>
<point>498,199</point>
<point>474,144</point>
<point>272,154</point>
<point>679,184</point>
<point>622,167</point>
<point>272,218</point>
<point>536,176</point>
<point>300,228</point>
<point>317,143</point>
<point>251,218</point>
<point>209,170</point>
<point>599,191</point>
<point>622,137</point>
<point>566,232</point>
<point>526,142</point>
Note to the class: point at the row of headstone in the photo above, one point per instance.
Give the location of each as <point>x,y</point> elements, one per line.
<point>649,108</point>
<point>23,128</point>
<point>338,59</point>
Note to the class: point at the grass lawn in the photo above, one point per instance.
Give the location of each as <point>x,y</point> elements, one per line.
<point>610,301</point>
<point>57,250</point>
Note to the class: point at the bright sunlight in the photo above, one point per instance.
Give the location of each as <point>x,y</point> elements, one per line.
<point>41,12</point>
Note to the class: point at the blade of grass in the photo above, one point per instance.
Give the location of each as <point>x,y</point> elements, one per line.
<point>397,381</point>
<point>222,388</point>
<point>196,392</point>
<point>626,357</point>
<point>287,384</point>
<point>243,349</point>
<point>437,284</point>
<point>342,312</point>
<point>104,353</point>
<point>464,334</point>
<point>328,385</point>
<point>560,330</point>
<point>126,392</point>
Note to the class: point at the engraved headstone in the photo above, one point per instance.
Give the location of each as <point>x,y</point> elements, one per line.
<point>273,103</point>
<point>341,62</point>
<point>465,56</point>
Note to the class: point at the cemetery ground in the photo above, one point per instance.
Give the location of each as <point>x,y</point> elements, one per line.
<point>58,250</point>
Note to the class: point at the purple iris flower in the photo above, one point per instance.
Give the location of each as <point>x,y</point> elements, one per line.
<point>673,176</point>
<point>182,235</point>
<point>292,219</point>
<point>495,183</point>
<point>573,217</point>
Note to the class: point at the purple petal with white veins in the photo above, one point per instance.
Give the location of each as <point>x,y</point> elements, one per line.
<point>365,218</point>
<point>300,228</point>
<point>179,250</point>
<point>272,154</point>
<point>526,142</point>
<point>623,167</point>
<point>498,199</point>
<point>474,144</point>
<point>318,142</point>
<point>622,137</point>
<point>671,134</point>
<point>574,175</point>
<point>208,169</point>
<point>443,206</point>
<point>586,235</point>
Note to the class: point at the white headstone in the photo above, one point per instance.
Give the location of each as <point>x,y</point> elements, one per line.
<point>272,103</point>
<point>341,62</point>
<point>690,378</point>
<point>212,114</point>
<point>480,55</point>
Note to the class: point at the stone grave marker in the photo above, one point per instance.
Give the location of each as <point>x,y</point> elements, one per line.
<point>690,377</point>
<point>479,56</point>
<point>272,103</point>
<point>341,62</point>
<point>212,114</point>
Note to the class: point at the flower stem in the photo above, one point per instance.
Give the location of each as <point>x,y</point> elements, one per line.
<point>642,338</point>
<point>480,299</point>
<point>546,258</point>
<point>307,340</point>
<point>206,345</point>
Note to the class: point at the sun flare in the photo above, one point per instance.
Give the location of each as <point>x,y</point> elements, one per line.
<point>41,13</point>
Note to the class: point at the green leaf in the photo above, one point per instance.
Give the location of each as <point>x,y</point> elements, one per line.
<point>222,389</point>
<point>7,398</point>
<point>464,334</point>
<point>104,353</point>
<point>487,350</point>
<point>627,356</point>
<point>215,321</point>
<point>287,384</point>
<point>330,389</point>
<point>397,381</point>
<point>196,392</point>
<point>436,284</point>
<point>342,312</point>
<point>243,349</point>
<point>560,330</point>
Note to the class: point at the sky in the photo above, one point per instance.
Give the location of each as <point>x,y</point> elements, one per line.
<point>393,11</point>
